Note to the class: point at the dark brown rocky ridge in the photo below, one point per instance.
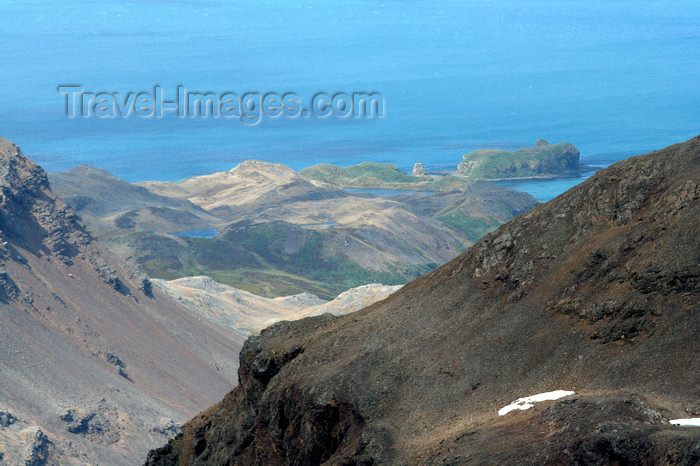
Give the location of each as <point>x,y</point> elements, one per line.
<point>596,292</point>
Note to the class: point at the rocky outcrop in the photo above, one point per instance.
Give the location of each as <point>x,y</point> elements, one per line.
<point>7,419</point>
<point>419,170</point>
<point>100,424</point>
<point>8,288</point>
<point>30,216</point>
<point>595,292</point>
<point>23,443</point>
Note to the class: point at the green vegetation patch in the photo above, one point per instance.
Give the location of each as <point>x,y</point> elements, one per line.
<point>269,259</point>
<point>375,171</point>
<point>473,228</point>
<point>372,175</point>
<point>544,159</point>
<point>217,254</point>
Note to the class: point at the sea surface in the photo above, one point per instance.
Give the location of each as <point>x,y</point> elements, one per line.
<point>546,189</point>
<point>615,78</point>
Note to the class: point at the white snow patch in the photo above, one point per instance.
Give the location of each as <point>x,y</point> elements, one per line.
<point>528,401</point>
<point>694,421</point>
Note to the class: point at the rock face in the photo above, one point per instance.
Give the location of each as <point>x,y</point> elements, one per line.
<point>92,359</point>
<point>596,292</point>
<point>419,170</point>
<point>542,161</point>
<point>30,216</point>
<point>22,443</point>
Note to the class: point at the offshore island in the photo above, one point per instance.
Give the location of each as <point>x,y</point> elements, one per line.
<point>544,161</point>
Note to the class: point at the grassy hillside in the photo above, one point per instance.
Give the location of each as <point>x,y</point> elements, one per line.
<point>269,259</point>
<point>543,160</point>
<point>381,176</point>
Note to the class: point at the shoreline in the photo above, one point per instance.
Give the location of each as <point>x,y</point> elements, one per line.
<point>559,176</point>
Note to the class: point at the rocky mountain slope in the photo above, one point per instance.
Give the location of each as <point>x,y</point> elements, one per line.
<point>247,314</point>
<point>596,292</point>
<point>96,365</point>
<point>280,232</point>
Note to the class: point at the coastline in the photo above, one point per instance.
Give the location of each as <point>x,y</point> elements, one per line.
<point>553,176</point>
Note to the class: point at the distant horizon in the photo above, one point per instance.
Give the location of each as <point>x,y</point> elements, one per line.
<point>616,80</point>
<point>543,189</point>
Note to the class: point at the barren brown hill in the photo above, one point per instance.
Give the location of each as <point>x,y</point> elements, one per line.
<point>96,367</point>
<point>107,203</point>
<point>247,314</point>
<point>595,292</point>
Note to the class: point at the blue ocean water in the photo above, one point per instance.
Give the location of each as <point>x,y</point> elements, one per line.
<point>616,78</point>
<point>546,189</point>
